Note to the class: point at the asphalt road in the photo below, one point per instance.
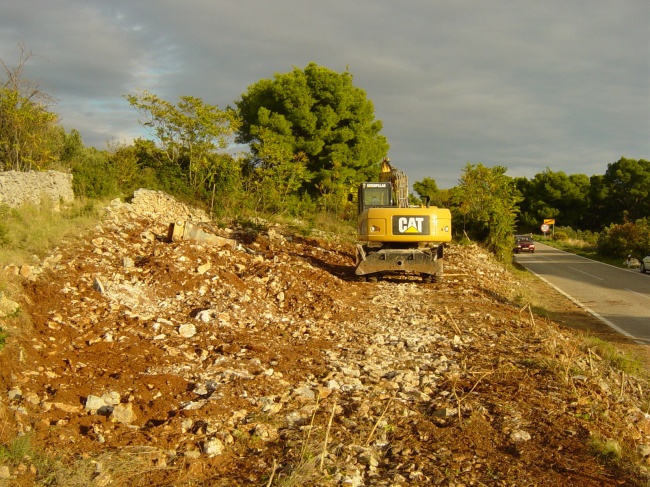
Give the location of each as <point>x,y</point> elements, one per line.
<point>619,297</point>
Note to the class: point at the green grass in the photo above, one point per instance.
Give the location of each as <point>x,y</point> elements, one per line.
<point>30,232</point>
<point>607,449</point>
<point>20,451</point>
<point>16,450</point>
<point>615,358</point>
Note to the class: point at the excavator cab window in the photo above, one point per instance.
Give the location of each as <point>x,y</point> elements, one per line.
<point>374,195</point>
<point>375,198</point>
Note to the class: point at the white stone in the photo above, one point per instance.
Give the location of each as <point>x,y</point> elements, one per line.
<point>15,394</point>
<point>7,306</point>
<point>213,446</point>
<point>519,436</point>
<point>187,330</point>
<point>93,403</point>
<point>204,315</point>
<point>111,398</point>
<point>332,384</point>
<point>123,413</point>
<point>304,392</point>
<point>266,432</point>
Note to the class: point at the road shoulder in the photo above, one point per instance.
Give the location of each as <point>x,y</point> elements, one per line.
<point>562,310</point>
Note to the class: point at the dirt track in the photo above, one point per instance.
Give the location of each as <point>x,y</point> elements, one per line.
<point>267,364</point>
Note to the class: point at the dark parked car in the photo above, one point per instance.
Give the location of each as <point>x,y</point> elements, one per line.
<point>524,243</point>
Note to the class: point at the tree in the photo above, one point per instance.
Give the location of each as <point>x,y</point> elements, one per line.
<point>526,218</point>
<point>628,190</point>
<point>486,203</point>
<point>555,195</point>
<point>317,117</point>
<point>278,174</point>
<point>73,147</point>
<point>576,200</point>
<point>188,133</point>
<point>94,176</point>
<point>29,132</point>
<point>441,198</point>
<point>598,208</point>
<point>225,184</point>
<point>426,188</point>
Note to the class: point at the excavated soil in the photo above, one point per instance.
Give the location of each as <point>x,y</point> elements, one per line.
<point>264,362</point>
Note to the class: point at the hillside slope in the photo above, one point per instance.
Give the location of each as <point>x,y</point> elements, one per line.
<point>152,362</point>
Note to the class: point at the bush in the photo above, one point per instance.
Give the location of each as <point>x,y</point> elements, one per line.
<point>568,233</point>
<point>93,176</point>
<point>619,240</point>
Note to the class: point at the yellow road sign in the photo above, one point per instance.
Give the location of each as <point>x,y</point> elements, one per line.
<point>549,222</point>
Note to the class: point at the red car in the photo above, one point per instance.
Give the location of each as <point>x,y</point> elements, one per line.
<point>524,243</point>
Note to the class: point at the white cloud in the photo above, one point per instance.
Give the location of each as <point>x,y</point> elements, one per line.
<point>525,85</point>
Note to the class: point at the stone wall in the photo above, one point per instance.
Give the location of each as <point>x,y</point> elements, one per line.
<point>18,187</point>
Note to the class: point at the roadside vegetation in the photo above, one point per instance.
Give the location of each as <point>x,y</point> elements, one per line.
<point>611,246</point>
<point>29,233</point>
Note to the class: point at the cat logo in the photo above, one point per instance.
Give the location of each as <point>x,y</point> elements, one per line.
<point>410,225</point>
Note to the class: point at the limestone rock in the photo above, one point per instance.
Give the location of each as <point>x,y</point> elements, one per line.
<point>123,413</point>
<point>213,447</point>
<point>187,330</point>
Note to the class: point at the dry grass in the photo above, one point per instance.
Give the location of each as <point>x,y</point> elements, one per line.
<point>29,233</point>
<point>120,468</point>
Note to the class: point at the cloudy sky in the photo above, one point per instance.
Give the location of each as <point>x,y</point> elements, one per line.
<point>526,85</point>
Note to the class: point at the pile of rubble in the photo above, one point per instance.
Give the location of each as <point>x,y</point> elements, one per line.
<point>265,361</point>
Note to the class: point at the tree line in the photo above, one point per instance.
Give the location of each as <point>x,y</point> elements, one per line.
<point>611,210</point>
<point>307,137</point>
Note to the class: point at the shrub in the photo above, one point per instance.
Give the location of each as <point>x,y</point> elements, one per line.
<point>619,240</point>
<point>568,233</point>
<point>93,176</point>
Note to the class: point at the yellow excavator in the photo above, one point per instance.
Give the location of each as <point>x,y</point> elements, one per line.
<point>394,237</point>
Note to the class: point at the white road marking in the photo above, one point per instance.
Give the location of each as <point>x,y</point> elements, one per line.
<point>592,312</point>
<point>586,273</point>
<point>642,295</point>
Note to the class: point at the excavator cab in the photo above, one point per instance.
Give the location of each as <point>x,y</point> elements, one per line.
<point>375,195</point>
